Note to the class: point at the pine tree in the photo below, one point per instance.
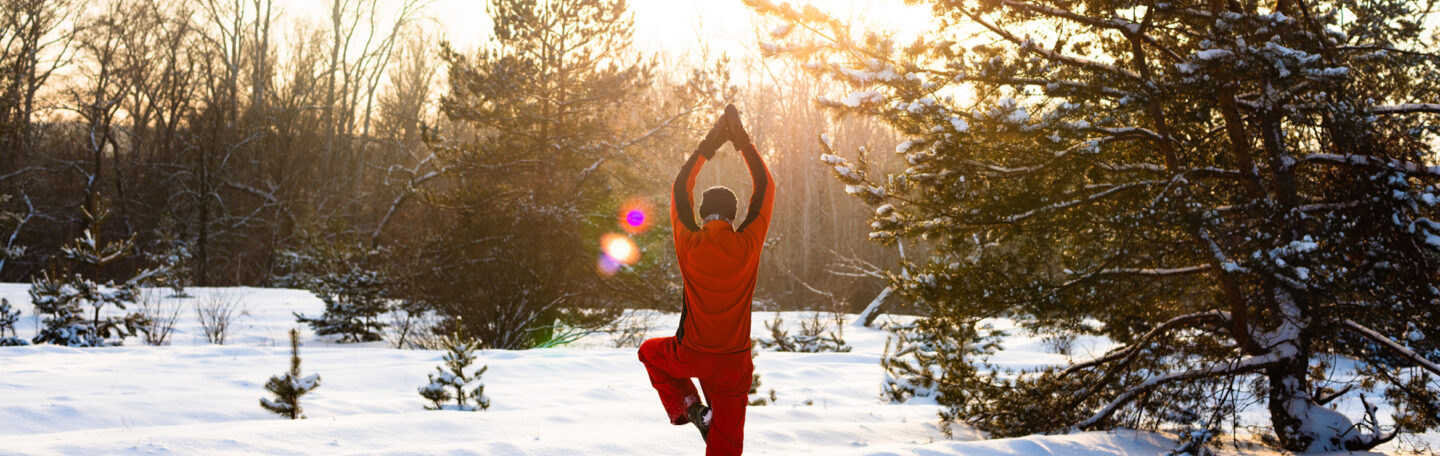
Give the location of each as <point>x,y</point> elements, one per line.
<point>172,251</point>
<point>1232,190</point>
<point>556,105</point>
<point>757,399</point>
<point>460,355</point>
<point>813,337</point>
<point>350,277</point>
<point>288,387</point>
<point>61,295</point>
<point>8,317</point>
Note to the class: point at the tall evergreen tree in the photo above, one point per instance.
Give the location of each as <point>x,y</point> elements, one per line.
<point>1232,190</point>
<point>547,103</point>
<point>288,387</point>
<point>60,296</point>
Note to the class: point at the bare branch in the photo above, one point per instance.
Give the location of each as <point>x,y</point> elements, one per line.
<point>1030,46</point>
<point>1115,23</point>
<point>1322,399</point>
<point>20,172</point>
<point>1133,348</point>
<point>1087,199</point>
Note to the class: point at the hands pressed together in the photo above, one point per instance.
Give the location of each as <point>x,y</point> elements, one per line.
<point>727,128</point>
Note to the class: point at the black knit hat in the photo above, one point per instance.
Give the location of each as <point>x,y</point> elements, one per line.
<point>717,200</point>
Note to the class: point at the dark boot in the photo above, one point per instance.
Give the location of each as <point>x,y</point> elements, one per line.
<point>698,414</point>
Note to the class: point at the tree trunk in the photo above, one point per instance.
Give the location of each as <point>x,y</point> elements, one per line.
<point>1291,404</point>
<point>202,239</point>
<point>1300,423</point>
<point>871,311</point>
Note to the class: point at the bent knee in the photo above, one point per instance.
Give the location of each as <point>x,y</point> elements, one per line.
<point>650,347</point>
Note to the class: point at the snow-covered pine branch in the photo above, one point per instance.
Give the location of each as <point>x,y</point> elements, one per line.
<point>1244,365</point>
<point>1278,156</point>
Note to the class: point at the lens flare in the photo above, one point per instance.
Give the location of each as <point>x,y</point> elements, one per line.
<point>616,251</point>
<point>635,216</point>
<point>621,249</point>
<point>606,267</point>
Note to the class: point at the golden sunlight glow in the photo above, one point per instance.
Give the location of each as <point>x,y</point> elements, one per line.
<point>616,251</point>
<point>621,249</point>
<point>701,29</point>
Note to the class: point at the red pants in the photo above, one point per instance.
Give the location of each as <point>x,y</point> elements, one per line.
<point>724,377</point>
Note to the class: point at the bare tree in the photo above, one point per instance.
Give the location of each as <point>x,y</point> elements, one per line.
<point>216,309</point>
<point>160,315</point>
<point>36,40</point>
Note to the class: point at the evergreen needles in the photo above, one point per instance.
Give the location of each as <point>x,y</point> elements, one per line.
<point>452,378</point>
<point>8,316</point>
<point>61,296</point>
<point>288,387</point>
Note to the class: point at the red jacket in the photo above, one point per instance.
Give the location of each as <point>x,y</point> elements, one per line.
<point>718,262</point>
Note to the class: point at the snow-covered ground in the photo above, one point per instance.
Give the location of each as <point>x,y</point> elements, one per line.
<point>585,399</point>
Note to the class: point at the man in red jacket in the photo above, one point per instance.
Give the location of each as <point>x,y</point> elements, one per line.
<point>718,263</point>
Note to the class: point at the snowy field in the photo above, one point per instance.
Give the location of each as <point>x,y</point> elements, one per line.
<point>586,399</point>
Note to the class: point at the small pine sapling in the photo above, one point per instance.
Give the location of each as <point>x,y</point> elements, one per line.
<point>172,250</point>
<point>288,387</point>
<point>755,398</point>
<point>8,317</point>
<point>350,276</point>
<point>813,337</point>
<point>452,377</point>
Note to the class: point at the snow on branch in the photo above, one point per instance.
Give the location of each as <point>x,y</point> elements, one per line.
<point>1411,108</point>
<point>411,186</point>
<point>1144,340</point>
<point>1218,254</point>
<point>1083,147</point>
<point>1205,172</point>
<point>1065,204</point>
<point>1050,85</point>
<point>1412,168</point>
<point>19,172</point>
<point>1152,272</point>
<point>1132,131</point>
<point>1249,364</point>
<point>1115,23</point>
<point>1329,206</point>
<point>1392,345</point>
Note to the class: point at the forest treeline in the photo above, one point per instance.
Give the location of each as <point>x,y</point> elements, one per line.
<point>244,144</point>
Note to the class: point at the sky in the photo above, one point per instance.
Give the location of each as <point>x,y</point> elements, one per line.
<point>681,26</point>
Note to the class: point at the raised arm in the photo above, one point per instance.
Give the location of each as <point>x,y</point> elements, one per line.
<point>682,206</point>
<point>682,203</point>
<point>762,195</point>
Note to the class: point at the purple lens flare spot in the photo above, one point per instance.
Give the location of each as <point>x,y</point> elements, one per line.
<point>635,218</point>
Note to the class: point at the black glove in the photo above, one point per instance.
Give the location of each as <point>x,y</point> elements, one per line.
<point>713,140</point>
<point>737,135</point>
